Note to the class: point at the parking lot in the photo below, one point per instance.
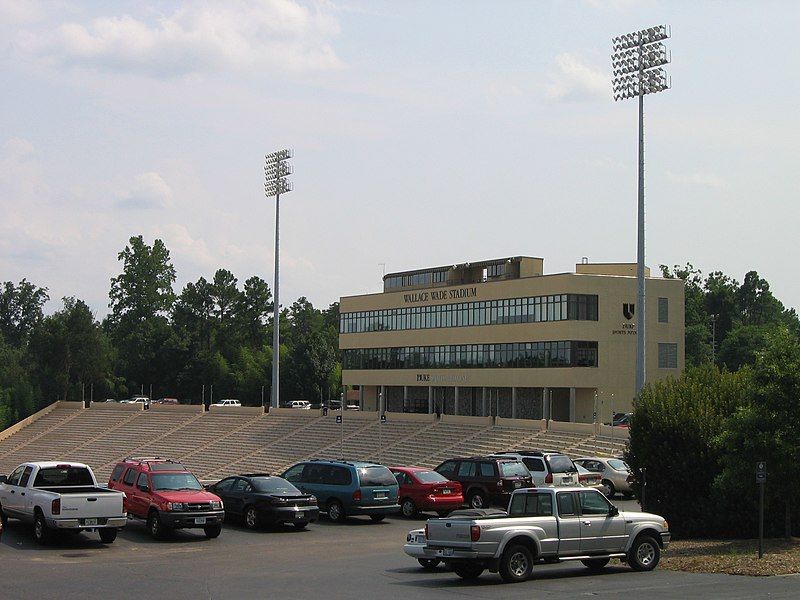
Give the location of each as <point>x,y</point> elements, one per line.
<point>355,560</point>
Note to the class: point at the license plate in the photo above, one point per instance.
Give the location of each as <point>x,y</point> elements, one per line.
<point>199,520</point>
<point>299,515</point>
<point>444,552</point>
<point>90,522</point>
<point>380,495</point>
<point>446,491</point>
<point>517,484</point>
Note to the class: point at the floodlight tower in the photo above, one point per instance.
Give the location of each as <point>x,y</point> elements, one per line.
<point>276,171</point>
<point>636,62</point>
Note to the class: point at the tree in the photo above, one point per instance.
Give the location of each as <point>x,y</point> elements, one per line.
<point>20,310</point>
<point>253,312</point>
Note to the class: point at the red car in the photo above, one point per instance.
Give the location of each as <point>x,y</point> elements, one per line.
<point>167,496</point>
<point>424,489</point>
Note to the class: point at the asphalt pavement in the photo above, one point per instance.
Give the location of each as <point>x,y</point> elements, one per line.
<point>357,559</point>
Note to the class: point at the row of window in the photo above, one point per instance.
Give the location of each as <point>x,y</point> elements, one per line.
<point>529,355</point>
<point>535,309</point>
<point>427,278</point>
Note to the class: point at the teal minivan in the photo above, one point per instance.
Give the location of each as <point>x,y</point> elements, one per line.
<point>344,488</point>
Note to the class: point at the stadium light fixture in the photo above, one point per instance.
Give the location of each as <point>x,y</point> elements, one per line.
<point>276,171</point>
<point>637,68</point>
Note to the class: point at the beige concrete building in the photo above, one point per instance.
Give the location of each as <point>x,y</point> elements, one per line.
<point>499,337</point>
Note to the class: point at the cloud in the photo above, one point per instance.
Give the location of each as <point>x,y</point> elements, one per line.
<point>149,191</point>
<point>196,38</point>
<point>707,180</point>
<point>576,81</point>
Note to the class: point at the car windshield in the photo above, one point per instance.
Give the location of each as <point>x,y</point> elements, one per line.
<point>618,465</point>
<point>376,476</point>
<point>273,485</point>
<point>176,481</point>
<point>429,477</point>
<point>560,464</point>
<point>513,468</point>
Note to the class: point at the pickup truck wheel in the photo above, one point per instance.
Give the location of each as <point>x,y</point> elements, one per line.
<point>516,564</point>
<point>154,526</point>
<point>212,531</point>
<point>612,491</point>
<point>251,517</point>
<point>41,533</point>
<point>644,554</point>
<point>477,500</point>
<point>408,508</point>
<point>107,536</point>
<point>595,564</point>
<point>335,511</point>
<point>468,570</point>
<point>429,564</point>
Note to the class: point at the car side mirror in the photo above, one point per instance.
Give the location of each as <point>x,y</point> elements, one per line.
<point>143,488</point>
<point>613,511</point>
<point>3,479</point>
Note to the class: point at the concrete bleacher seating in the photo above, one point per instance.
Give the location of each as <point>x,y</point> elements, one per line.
<point>216,444</point>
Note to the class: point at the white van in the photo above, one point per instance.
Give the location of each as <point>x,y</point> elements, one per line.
<point>227,402</point>
<point>301,404</point>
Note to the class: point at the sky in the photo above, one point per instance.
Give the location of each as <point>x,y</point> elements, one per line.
<point>424,134</point>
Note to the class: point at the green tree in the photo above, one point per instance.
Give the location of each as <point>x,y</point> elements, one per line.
<point>20,310</point>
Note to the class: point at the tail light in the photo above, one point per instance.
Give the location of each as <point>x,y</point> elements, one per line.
<point>426,531</point>
<point>629,479</point>
<point>500,483</point>
<point>475,533</point>
<point>55,507</point>
<point>548,478</point>
<point>357,496</point>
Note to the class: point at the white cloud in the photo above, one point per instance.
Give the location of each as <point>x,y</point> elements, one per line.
<point>196,38</point>
<point>183,246</point>
<point>700,179</point>
<point>575,80</point>
<point>149,191</point>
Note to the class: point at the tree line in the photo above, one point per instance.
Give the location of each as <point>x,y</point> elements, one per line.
<point>214,332</point>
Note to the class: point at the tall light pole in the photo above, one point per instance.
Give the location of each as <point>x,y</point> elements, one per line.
<point>636,62</point>
<point>276,171</point>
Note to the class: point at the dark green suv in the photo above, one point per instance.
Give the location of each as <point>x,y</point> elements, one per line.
<point>487,480</point>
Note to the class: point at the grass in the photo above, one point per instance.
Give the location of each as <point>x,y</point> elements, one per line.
<point>735,557</point>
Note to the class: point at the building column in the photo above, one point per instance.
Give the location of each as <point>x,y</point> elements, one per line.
<point>405,398</point>
<point>382,400</point>
<point>546,403</point>
<point>572,405</point>
<point>430,399</point>
<point>483,401</point>
<point>513,403</point>
<point>455,400</point>
<point>360,397</point>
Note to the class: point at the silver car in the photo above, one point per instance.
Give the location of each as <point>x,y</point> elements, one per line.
<point>616,474</point>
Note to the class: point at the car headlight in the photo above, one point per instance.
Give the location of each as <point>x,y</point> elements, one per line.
<point>408,537</point>
<point>312,500</point>
<point>216,504</point>
<point>666,525</point>
<point>176,506</point>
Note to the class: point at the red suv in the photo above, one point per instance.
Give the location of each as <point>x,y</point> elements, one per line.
<point>167,495</point>
<point>424,489</point>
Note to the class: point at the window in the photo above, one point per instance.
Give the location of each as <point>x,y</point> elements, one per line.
<point>26,475</point>
<point>13,479</point>
<point>663,310</point>
<point>225,485</point>
<point>295,474</point>
<point>130,477</point>
<point>487,470</point>
<point>513,469</point>
<point>141,483</point>
<point>593,503</point>
<point>339,476</point>
<point>63,476</point>
<point>447,469</point>
<point>239,486</point>
<point>668,356</point>
<point>534,464</point>
<point>117,473</point>
<point>175,481</point>
<point>375,476</point>
<point>466,469</point>
<point>532,505</point>
<point>566,504</point>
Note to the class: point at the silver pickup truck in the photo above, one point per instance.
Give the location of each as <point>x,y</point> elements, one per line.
<point>545,525</point>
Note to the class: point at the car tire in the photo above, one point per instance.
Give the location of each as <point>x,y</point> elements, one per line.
<point>516,564</point>
<point>3,518</point>
<point>41,532</point>
<point>612,491</point>
<point>154,526</point>
<point>408,508</point>
<point>212,531</point>
<point>644,554</point>
<point>477,499</point>
<point>377,518</point>
<point>595,564</point>
<point>429,564</point>
<point>335,511</point>
<point>468,570</point>
<point>251,517</point>
<point>108,535</point>
<point>300,525</point>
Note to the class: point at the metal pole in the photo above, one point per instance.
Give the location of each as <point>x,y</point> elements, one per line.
<point>262,396</point>
<point>341,411</point>
<point>644,487</point>
<point>761,520</point>
<point>276,348</point>
<point>380,426</point>
<point>641,309</point>
<point>91,393</point>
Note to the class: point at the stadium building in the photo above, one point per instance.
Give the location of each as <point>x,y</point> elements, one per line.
<point>501,338</point>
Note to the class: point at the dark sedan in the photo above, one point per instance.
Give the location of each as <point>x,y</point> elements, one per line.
<point>262,499</point>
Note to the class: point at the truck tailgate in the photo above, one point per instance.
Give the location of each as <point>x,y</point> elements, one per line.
<point>87,504</point>
<point>451,533</point>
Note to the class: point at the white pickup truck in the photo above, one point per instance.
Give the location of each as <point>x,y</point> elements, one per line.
<point>547,524</point>
<point>61,496</point>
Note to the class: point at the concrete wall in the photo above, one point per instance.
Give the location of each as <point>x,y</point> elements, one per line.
<point>116,406</point>
<point>177,408</point>
<point>539,424</point>
<point>8,432</point>
<point>617,432</point>
<point>467,420</point>
<point>585,428</point>
<point>414,417</point>
<point>295,412</point>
